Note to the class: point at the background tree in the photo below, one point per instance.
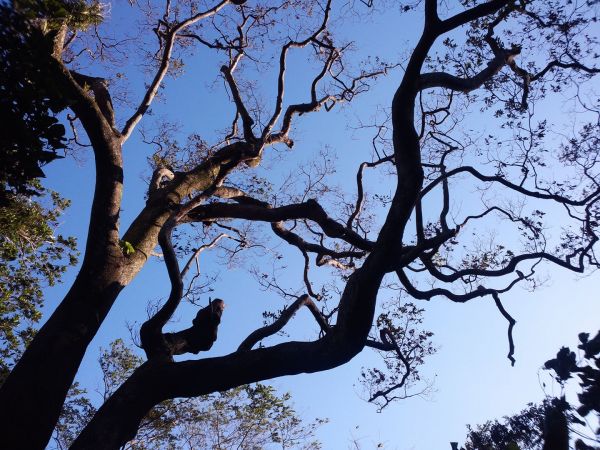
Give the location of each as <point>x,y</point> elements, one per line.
<point>30,101</point>
<point>501,60</point>
<point>32,256</point>
<point>33,134</point>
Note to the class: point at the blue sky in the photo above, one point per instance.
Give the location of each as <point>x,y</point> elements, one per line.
<point>473,380</point>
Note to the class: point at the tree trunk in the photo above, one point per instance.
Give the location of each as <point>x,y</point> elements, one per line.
<point>33,394</point>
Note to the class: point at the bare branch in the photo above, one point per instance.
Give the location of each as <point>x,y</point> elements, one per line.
<point>564,65</point>
<point>164,67</point>
<point>459,298</point>
<point>320,250</point>
<point>389,343</point>
<point>447,81</point>
<point>359,187</point>
<point>289,312</point>
<point>511,324</point>
<point>199,250</point>
<point>247,121</point>
<point>346,92</point>
<point>310,210</point>
<point>471,14</point>
<point>282,67</point>
<point>515,187</point>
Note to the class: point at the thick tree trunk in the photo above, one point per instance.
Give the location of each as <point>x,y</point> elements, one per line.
<point>32,396</point>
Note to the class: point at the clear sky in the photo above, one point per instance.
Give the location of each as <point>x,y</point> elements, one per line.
<point>473,380</point>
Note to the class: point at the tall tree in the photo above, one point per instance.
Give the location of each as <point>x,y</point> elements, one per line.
<point>500,58</point>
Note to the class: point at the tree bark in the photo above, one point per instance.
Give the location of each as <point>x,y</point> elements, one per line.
<point>33,394</point>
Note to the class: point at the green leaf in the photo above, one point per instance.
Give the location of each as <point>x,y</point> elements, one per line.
<point>127,248</point>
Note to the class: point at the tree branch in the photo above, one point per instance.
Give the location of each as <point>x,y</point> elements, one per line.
<point>458,298</point>
<point>151,336</point>
<point>164,67</point>
<point>289,312</point>
<point>511,324</point>
<point>201,335</point>
<point>359,188</point>
<point>515,187</point>
<point>310,210</point>
<point>320,250</point>
<point>447,81</point>
<point>101,95</point>
<point>471,14</point>
<point>282,67</point>
<point>247,121</point>
<point>389,342</point>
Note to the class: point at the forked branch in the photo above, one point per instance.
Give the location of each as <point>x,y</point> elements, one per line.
<point>165,62</point>
<point>285,316</point>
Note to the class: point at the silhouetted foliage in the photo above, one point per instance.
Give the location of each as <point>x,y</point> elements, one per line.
<point>32,257</point>
<point>31,133</point>
<point>546,425</point>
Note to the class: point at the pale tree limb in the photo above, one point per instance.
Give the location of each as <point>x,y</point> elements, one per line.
<point>199,250</point>
<point>163,68</point>
<point>282,68</point>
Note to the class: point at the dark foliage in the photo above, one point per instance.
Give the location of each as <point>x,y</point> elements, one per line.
<point>31,134</point>
<point>541,426</point>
